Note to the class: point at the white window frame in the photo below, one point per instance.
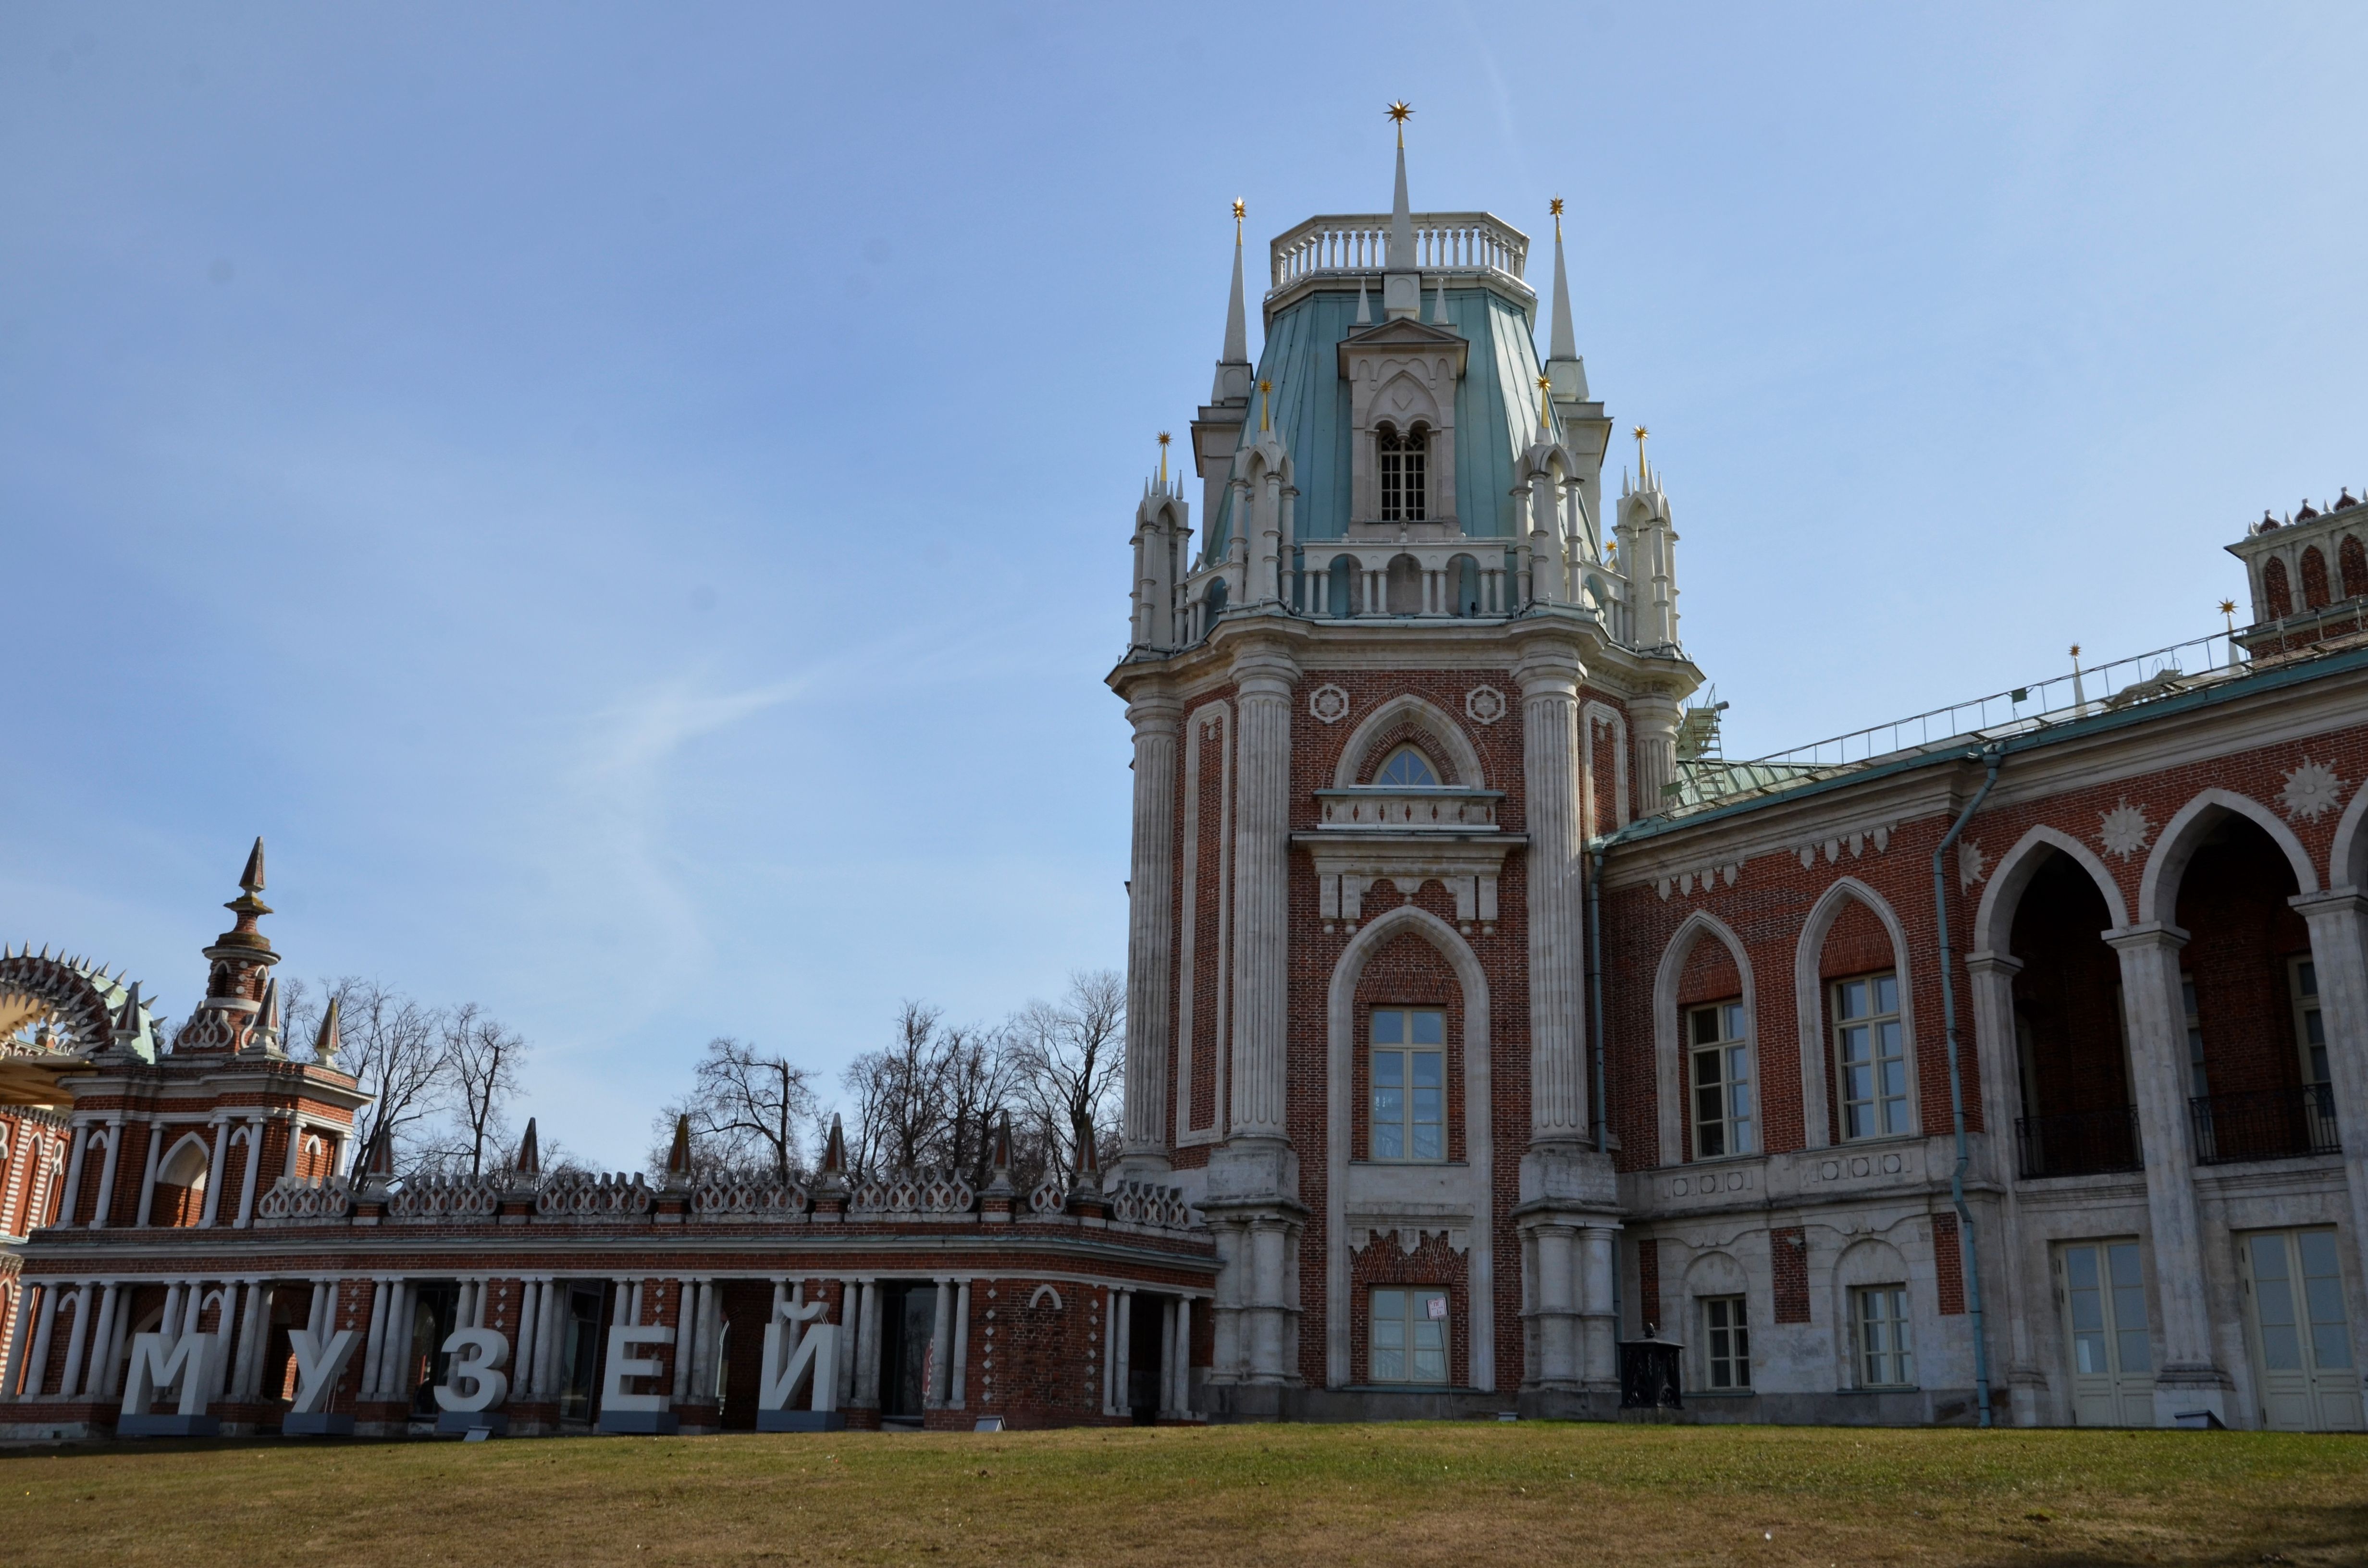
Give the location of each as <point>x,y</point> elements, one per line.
<point>1403,503</point>
<point>1414,1323</point>
<point>2309,1020</point>
<point>1406,748</point>
<point>1872,1021</point>
<point>1406,1051</point>
<point>1885,1359</point>
<point>1736,1121</point>
<point>1726,1344</point>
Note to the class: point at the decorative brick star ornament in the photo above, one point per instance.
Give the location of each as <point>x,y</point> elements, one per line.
<point>2312,789</point>
<point>2124,829</point>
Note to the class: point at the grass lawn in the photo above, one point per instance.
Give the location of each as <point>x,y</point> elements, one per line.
<point>1468,1494</point>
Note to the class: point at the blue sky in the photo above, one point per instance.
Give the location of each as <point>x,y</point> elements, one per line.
<point>631,502</point>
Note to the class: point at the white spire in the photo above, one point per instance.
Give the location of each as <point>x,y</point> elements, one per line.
<point>1400,257</point>
<point>1438,310</point>
<point>1562,363</point>
<point>1563,345</point>
<point>1364,309</point>
<point>1401,283</point>
<point>1233,364</point>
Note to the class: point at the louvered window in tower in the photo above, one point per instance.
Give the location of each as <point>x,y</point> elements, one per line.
<point>1405,479</point>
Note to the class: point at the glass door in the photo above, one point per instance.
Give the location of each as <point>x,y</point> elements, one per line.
<point>2302,1344</point>
<point>2103,1287</point>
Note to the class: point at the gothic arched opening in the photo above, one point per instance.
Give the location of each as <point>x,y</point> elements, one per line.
<point>2071,1058</point>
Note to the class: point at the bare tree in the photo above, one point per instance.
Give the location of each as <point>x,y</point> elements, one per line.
<point>981,1081</point>
<point>749,1113</point>
<point>899,1091</point>
<point>391,1045</point>
<point>1069,1057</point>
<point>479,1080</point>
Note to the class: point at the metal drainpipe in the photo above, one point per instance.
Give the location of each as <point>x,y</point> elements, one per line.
<point>1595,1002</point>
<point>1957,1085</point>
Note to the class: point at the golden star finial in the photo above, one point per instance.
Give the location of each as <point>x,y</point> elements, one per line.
<point>1555,209</point>
<point>1546,406</point>
<point>1240,211</point>
<point>1163,440</point>
<point>1397,113</point>
<point>1641,434</point>
<point>1265,390</point>
<point>2227,606</point>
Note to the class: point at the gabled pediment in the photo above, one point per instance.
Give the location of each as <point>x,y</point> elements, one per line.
<point>1403,337</point>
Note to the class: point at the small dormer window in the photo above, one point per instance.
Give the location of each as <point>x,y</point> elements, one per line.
<point>1404,477</point>
<point>1407,769</point>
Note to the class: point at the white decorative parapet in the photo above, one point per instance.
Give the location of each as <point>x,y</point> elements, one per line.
<point>1367,807</point>
<point>292,1198</point>
<point>728,1198</point>
<point>580,1196</point>
<point>920,1194</point>
<point>1443,241</point>
<point>460,1198</point>
<point>1157,1208</point>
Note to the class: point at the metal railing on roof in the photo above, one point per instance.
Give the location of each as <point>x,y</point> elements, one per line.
<point>2080,692</point>
<point>1443,241</point>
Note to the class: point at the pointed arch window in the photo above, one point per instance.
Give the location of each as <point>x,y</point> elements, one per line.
<point>1407,768</point>
<point>1405,474</point>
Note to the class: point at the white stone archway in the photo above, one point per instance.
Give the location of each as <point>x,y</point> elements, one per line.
<point>1669,1031</point>
<point>1479,1143</point>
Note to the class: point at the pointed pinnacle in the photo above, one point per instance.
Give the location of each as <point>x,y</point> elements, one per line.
<point>251,880</point>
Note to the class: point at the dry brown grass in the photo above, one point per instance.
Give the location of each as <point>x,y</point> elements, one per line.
<point>1465,1494</point>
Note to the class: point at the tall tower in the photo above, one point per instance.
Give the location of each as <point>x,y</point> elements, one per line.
<point>1382,707</point>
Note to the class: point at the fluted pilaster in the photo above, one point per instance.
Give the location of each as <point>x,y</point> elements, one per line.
<point>1550,678</point>
<point>1264,677</point>
<point>1151,933</point>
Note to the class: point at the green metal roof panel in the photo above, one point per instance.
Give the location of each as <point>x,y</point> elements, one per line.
<point>1496,410</point>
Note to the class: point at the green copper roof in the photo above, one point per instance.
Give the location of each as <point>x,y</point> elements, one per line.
<point>1496,409</point>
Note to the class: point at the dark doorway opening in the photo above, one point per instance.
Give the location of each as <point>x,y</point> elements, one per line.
<point>908,1317</point>
<point>582,1352</point>
<point>434,1312</point>
<point>1144,1336</point>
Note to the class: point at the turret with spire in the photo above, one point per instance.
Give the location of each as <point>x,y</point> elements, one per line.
<point>1218,429</point>
<point>1401,277</point>
<point>241,959</point>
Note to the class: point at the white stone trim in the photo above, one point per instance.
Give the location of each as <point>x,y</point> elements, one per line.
<point>1462,757</point>
<point>1809,997</point>
<point>1479,1145</point>
<point>2175,846</point>
<point>1668,1031</point>
<point>2002,894</point>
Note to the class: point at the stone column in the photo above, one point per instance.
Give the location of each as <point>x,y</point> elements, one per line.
<point>1122,1361</point>
<point>374,1342</point>
<point>529,1335</point>
<point>866,1377</point>
<point>246,1377</point>
<point>47,1321</point>
<point>107,1172</point>
<point>942,1347</point>
<point>2156,1020</point>
<point>958,1392</point>
<point>1151,934</point>
<point>1550,674</point>
<point>73,1177</point>
<point>20,1327</point>
<point>1998,1156</point>
<point>1598,1364</point>
<point>102,1340</point>
<point>1183,1397</point>
<point>148,1161</point>
<point>1652,721</point>
<point>2338,951</point>
<point>70,1379</point>
<point>1265,673</point>
<point>295,1147</point>
<point>1557,1312</point>
<point>247,1168</point>
<point>212,1208</point>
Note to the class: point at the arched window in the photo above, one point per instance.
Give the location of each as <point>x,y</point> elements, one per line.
<point>2275,589</point>
<point>1407,769</point>
<point>1405,474</point>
